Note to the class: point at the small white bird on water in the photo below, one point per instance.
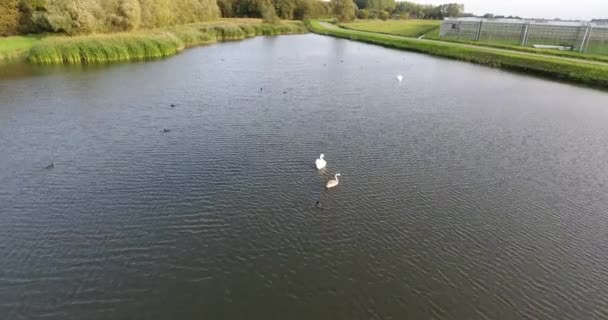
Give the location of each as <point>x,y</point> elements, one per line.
<point>333,183</point>
<point>400,78</point>
<point>321,163</point>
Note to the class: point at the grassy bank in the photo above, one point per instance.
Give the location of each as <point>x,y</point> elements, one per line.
<point>589,73</point>
<point>430,30</point>
<point>557,53</point>
<point>406,28</point>
<point>139,45</point>
<point>16,47</point>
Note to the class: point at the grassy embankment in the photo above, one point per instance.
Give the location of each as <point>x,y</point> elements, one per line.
<point>405,28</point>
<point>138,45</point>
<point>16,47</point>
<point>430,30</point>
<point>557,53</point>
<point>590,73</point>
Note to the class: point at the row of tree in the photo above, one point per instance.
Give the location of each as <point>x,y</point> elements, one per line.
<point>86,16</point>
<point>346,10</point>
<point>282,9</point>
<point>385,5</point>
<point>422,11</point>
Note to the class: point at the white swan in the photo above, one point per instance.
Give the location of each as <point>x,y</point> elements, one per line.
<point>400,78</point>
<point>333,183</point>
<point>321,163</point>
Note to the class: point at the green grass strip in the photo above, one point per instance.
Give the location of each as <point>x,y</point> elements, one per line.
<point>558,53</point>
<point>406,28</point>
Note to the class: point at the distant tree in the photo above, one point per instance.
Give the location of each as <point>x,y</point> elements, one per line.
<point>488,16</point>
<point>225,8</point>
<point>307,9</point>
<point>415,10</point>
<point>319,9</point>
<point>384,15</point>
<point>344,10</point>
<point>128,15</point>
<point>190,11</point>
<point>381,4</point>
<point>388,5</point>
<point>375,14</point>
<point>267,10</point>
<point>157,13</point>
<point>85,16</point>
<point>285,8</point>
<point>67,16</point>
<point>9,17</point>
<point>362,14</point>
<point>452,9</point>
<point>304,9</point>
<point>409,9</point>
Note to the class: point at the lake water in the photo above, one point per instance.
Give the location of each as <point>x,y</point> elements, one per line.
<point>466,192</point>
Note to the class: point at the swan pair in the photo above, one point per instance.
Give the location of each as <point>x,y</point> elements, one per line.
<point>321,163</point>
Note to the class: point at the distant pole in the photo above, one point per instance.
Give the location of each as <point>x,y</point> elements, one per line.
<point>524,39</point>
<point>588,38</point>
<point>585,39</point>
<point>479,30</point>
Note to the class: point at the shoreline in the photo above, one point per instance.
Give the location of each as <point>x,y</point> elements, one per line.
<point>590,73</point>
<point>137,45</point>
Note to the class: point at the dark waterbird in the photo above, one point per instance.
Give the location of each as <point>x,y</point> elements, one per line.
<point>172,105</point>
<point>319,205</point>
<point>50,166</point>
<point>166,130</point>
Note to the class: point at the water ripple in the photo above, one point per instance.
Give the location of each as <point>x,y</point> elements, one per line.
<point>458,199</point>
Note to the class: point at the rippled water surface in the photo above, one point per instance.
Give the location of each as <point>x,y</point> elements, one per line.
<point>466,192</point>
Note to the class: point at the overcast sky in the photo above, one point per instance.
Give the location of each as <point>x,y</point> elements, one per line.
<point>565,9</point>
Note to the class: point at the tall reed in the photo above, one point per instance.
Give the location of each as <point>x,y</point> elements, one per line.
<point>148,45</point>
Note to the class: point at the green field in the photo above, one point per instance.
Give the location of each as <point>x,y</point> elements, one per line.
<point>16,47</point>
<point>405,28</point>
<point>138,45</point>
<point>582,71</point>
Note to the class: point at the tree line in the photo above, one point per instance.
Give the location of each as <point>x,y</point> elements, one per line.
<point>384,9</point>
<point>88,16</point>
<point>346,10</point>
<point>280,9</point>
